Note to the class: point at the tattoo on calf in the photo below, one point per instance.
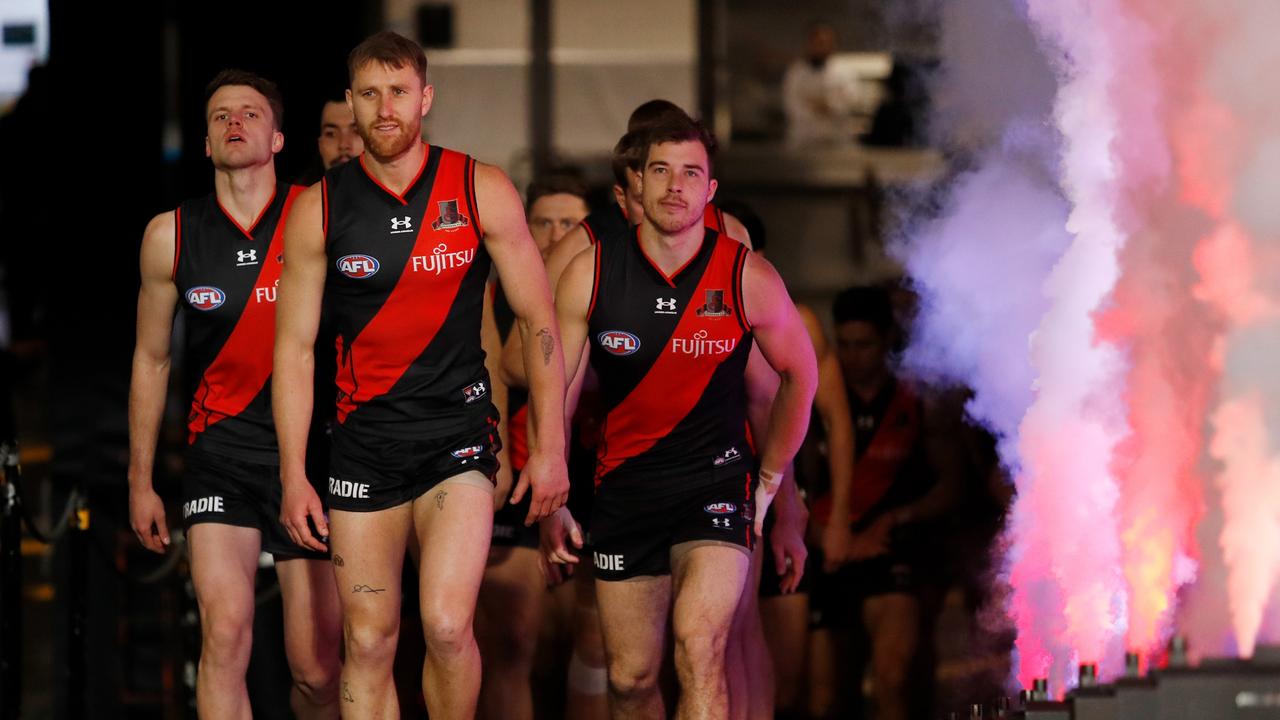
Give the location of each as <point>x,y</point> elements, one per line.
<point>346,693</point>
<point>440,499</point>
<point>366,589</point>
<point>338,561</point>
<point>548,345</point>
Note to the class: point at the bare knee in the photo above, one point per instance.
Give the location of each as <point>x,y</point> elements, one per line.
<point>316,680</point>
<point>371,641</point>
<point>632,678</point>
<point>447,631</point>
<point>701,650</point>
<point>226,639</point>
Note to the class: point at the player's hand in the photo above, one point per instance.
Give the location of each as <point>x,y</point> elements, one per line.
<point>552,532</point>
<point>872,542</point>
<point>298,503</point>
<point>555,574</point>
<point>789,550</point>
<point>502,486</point>
<point>837,544</point>
<point>146,516</point>
<point>547,477</point>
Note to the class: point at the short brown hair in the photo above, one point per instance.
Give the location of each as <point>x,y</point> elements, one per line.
<point>634,147</point>
<point>562,183</point>
<point>629,153</point>
<point>268,89</point>
<point>654,111</point>
<point>390,49</point>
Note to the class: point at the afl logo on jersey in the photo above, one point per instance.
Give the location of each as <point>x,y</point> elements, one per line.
<point>721,508</point>
<point>358,267</point>
<point>618,342</point>
<point>205,297</point>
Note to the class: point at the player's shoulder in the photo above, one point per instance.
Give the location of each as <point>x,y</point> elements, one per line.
<point>161,228</point>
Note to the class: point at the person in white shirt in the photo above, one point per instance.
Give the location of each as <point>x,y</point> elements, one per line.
<point>818,102</point>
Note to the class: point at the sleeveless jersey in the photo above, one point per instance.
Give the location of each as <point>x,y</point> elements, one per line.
<point>713,217</point>
<point>888,468</point>
<point>607,222</point>
<point>226,277</point>
<point>671,352</point>
<point>405,288</point>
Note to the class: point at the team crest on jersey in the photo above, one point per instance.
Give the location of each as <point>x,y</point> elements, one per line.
<point>205,297</point>
<point>715,306</point>
<point>450,218</point>
<point>721,508</point>
<point>467,452</point>
<point>618,342</point>
<point>475,392</point>
<point>358,267</point>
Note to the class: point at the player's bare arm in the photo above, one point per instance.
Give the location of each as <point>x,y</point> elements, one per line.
<point>784,342</point>
<point>563,253</point>
<point>573,299</point>
<point>832,405</point>
<point>514,254</point>
<point>297,322</point>
<point>157,301</point>
<point>491,341</point>
<point>791,517</point>
<point>734,228</point>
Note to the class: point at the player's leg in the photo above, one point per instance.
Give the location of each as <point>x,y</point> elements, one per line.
<point>633,622</point>
<point>312,634</point>
<point>224,563</point>
<point>893,623</point>
<point>368,555</point>
<point>312,613</point>
<point>709,577</point>
<point>454,521</point>
<point>508,618</point>
<point>588,676</point>
<point>786,629</point>
<point>748,668</point>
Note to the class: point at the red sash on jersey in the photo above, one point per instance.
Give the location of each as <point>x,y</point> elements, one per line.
<point>224,383</point>
<point>417,307</point>
<point>876,471</point>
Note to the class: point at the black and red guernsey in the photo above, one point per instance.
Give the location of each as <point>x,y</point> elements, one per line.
<point>226,277</point>
<point>405,289</point>
<point>671,352</point>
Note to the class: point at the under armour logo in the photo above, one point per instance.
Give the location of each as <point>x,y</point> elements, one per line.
<point>249,257</point>
<point>401,225</point>
<point>720,523</point>
<point>665,306</point>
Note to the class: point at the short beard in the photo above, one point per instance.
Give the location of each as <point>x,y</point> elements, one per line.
<point>383,148</point>
<point>668,225</point>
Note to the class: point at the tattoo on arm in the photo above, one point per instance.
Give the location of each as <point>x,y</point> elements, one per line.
<point>440,499</point>
<point>346,693</point>
<point>367,589</point>
<point>338,561</point>
<point>548,345</point>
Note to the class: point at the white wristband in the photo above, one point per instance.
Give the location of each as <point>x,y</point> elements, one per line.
<point>771,480</point>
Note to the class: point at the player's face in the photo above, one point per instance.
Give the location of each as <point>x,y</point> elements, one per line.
<point>552,216</point>
<point>862,351</point>
<point>389,104</point>
<point>339,138</point>
<point>676,185</point>
<point>241,129</point>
